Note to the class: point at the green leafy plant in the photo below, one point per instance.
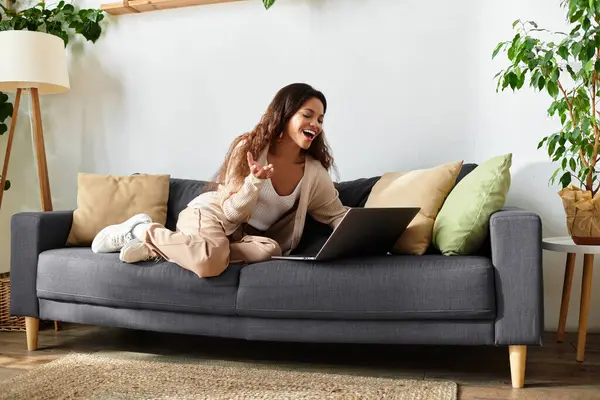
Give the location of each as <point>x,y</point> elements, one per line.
<point>6,110</point>
<point>268,3</point>
<point>59,20</point>
<point>62,20</point>
<point>567,68</point>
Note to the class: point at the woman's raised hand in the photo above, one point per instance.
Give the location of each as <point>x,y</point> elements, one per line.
<point>258,170</point>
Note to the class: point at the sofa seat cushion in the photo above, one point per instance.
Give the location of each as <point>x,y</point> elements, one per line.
<point>78,275</point>
<point>395,287</point>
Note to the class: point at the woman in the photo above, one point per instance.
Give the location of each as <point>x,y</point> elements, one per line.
<point>270,179</point>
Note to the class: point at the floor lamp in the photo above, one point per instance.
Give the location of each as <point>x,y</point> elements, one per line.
<point>33,63</point>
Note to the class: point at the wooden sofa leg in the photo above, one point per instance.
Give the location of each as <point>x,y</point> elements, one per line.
<point>518,357</point>
<point>32,326</point>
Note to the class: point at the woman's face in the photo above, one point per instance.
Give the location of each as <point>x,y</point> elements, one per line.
<point>306,124</point>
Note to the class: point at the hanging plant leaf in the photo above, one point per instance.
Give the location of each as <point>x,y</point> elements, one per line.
<point>268,3</point>
<point>6,110</point>
<point>91,31</point>
<point>62,20</point>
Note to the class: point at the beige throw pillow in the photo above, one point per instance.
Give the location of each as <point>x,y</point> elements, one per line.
<point>425,188</point>
<point>104,200</point>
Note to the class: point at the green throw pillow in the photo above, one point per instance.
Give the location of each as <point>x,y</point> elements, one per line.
<point>462,224</point>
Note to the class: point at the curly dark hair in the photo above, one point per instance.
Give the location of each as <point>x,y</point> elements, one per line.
<point>284,105</point>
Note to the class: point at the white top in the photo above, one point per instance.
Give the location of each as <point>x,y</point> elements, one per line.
<point>566,245</point>
<point>271,206</point>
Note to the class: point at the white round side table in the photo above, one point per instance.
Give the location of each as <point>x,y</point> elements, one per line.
<point>566,245</point>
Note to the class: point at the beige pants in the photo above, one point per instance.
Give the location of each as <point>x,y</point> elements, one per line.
<point>201,245</point>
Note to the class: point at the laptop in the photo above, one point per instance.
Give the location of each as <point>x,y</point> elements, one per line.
<point>363,232</point>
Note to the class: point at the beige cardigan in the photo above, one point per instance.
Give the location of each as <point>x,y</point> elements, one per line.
<point>233,207</point>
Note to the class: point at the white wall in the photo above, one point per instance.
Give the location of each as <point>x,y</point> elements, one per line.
<point>409,84</point>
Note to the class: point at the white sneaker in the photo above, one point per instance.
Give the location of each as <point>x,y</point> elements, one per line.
<point>135,251</point>
<point>112,238</point>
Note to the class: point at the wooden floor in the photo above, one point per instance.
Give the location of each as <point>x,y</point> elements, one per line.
<point>481,372</point>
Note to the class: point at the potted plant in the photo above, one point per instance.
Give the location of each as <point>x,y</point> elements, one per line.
<point>62,20</point>
<point>565,66</point>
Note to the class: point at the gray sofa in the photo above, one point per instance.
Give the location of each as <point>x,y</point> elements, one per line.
<point>492,298</point>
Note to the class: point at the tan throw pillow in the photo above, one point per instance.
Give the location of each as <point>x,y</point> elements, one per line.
<point>104,200</point>
<point>425,188</point>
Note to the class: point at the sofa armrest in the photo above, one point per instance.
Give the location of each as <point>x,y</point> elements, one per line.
<point>31,234</point>
<point>516,251</point>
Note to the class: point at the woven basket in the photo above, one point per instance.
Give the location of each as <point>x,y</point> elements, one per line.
<point>8,323</point>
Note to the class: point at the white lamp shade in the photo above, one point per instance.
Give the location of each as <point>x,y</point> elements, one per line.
<point>33,60</point>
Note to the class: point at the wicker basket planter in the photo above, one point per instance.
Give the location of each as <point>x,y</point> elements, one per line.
<point>583,215</point>
<point>8,323</point>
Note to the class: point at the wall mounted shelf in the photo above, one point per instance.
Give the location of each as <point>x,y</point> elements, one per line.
<point>140,6</point>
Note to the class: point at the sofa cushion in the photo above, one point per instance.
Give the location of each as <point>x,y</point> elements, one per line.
<point>392,287</point>
<point>462,224</point>
<point>356,193</point>
<point>78,275</point>
<point>104,200</point>
<point>424,188</point>
<point>181,192</point>
<point>465,170</point>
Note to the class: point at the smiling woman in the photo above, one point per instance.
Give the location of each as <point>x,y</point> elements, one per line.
<point>271,178</point>
<point>292,126</point>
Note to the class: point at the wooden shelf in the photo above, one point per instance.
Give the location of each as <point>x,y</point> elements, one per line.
<point>139,6</point>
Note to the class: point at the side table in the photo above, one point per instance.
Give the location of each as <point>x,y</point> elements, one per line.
<point>566,245</point>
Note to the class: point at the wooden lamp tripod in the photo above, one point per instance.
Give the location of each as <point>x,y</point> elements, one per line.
<point>33,63</point>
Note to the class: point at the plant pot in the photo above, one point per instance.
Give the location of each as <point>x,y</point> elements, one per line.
<point>583,215</point>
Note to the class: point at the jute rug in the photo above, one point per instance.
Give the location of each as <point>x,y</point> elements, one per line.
<point>108,376</point>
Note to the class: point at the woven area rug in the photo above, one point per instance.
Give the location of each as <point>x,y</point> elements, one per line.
<point>143,376</point>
